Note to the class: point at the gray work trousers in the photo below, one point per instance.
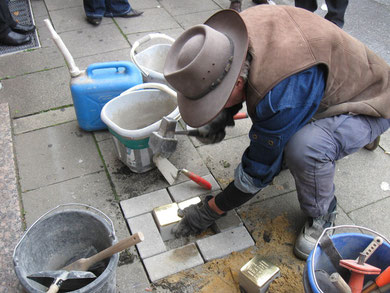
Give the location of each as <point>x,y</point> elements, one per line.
<point>312,152</point>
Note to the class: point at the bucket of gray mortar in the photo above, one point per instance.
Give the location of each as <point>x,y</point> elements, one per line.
<point>62,235</point>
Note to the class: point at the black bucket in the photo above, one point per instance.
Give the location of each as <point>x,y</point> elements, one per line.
<point>57,237</point>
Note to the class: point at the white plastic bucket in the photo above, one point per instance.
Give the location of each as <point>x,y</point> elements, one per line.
<point>151,60</point>
<point>133,116</point>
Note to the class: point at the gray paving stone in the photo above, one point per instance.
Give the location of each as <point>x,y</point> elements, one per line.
<point>61,4</point>
<point>101,135</point>
<point>190,189</point>
<point>42,120</point>
<point>116,55</point>
<point>73,18</point>
<point>145,203</point>
<point>228,222</point>
<point>153,243</point>
<point>148,21</point>
<point>93,190</point>
<point>32,61</point>
<point>189,20</point>
<point>142,4</point>
<point>179,8</point>
<point>173,261</point>
<point>359,177</point>
<point>385,142</point>
<point>94,40</point>
<point>131,278</point>
<point>38,92</point>
<point>375,216</point>
<point>55,154</point>
<point>222,244</point>
<point>39,8</point>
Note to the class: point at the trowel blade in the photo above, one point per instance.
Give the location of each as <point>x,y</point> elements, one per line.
<point>167,169</point>
<point>72,280</point>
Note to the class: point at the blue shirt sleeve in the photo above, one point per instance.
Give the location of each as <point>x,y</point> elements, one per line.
<point>279,115</point>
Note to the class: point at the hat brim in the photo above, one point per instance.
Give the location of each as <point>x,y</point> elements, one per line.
<point>199,112</point>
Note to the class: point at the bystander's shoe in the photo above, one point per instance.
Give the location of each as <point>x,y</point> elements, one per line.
<point>14,39</point>
<point>94,20</point>
<point>23,29</point>
<point>132,13</point>
<point>312,230</point>
<point>235,5</point>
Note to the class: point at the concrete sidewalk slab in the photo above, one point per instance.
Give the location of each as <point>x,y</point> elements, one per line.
<point>61,4</point>
<point>38,92</point>
<point>179,8</point>
<point>148,21</point>
<point>357,187</point>
<point>55,154</point>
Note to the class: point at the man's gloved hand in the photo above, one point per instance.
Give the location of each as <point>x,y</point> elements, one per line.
<point>214,131</point>
<point>196,219</point>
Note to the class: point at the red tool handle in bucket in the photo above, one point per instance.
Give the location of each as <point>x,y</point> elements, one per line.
<point>312,269</point>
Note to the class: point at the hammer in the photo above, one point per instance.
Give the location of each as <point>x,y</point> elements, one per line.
<point>163,144</point>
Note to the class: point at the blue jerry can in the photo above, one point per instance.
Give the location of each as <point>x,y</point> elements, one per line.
<point>100,83</point>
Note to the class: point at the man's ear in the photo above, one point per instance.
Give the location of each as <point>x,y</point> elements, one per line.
<point>240,83</point>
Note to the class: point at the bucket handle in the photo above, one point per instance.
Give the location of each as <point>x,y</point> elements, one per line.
<point>334,228</point>
<point>143,40</point>
<point>66,205</point>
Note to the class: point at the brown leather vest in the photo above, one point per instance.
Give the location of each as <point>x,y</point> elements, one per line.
<point>284,40</point>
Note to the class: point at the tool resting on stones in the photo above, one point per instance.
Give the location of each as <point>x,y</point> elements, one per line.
<point>196,219</point>
<point>214,131</point>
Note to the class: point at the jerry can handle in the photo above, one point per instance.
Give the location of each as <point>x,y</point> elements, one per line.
<point>143,40</point>
<point>118,64</point>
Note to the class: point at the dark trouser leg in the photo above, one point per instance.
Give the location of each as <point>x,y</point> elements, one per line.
<point>310,5</point>
<point>312,152</point>
<point>94,8</point>
<point>117,7</point>
<point>336,11</point>
<point>6,20</point>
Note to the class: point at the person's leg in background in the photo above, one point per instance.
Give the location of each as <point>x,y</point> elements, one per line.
<point>235,5</point>
<point>310,5</point>
<point>120,8</point>
<point>11,32</point>
<point>311,155</point>
<point>336,11</point>
<point>94,10</point>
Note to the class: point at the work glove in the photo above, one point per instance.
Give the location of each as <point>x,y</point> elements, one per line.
<point>214,131</point>
<point>195,219</point>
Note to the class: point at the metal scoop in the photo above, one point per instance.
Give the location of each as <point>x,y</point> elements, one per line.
<point>64,280</point>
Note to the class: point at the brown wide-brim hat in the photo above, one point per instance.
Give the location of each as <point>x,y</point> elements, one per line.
<point>204,63</point>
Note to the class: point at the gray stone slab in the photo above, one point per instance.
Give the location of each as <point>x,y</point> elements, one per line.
<point>94,40</point>
<point>31,61</point>
<point>72,18</point>
<point>228,222</point>
<point>187,8</point>
<point>101,135</point>
<point>93,190</point>
<point>385,142</point>
<point>145,203</point>
<point>10,212</point>
<point>61,4</point>
<point>190,189</point>
<point>55,154</point>
<point>44,35</point>
<point>150,20</point>
<point>222,244</point>
<point>116,55</point>
<point>131,278</point>
<point>153,243</point>
<point>43,120</point>
<point>359,177</point>
<point>173,261</point>
<point>142,4</point>
<point>189,20</point>
<point>40,91</point>
<point>375,216</point>
<point>39,8</point>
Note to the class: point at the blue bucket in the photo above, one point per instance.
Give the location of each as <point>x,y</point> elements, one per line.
<point>349,246</point>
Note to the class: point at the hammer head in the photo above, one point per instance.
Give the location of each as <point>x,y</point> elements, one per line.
<point>163,142</point>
